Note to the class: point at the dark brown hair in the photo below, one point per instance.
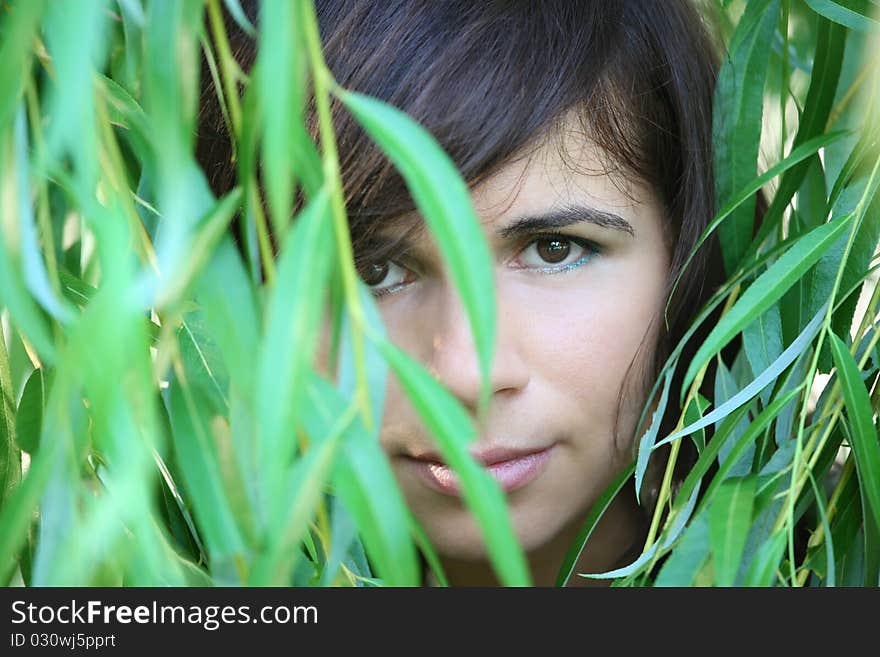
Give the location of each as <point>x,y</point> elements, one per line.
<point>487,78</point>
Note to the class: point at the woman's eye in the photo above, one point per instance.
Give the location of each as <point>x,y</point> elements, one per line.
<point>383,277</point>
<point>555,253</point>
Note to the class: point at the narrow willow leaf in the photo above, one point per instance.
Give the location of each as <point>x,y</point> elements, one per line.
<point>736,128</point>
<point>375,364</point>
<point>857,263</point>
<point>229,308</point>
<point>444,202</point>
<point>730,516</point>
<point>35,274</point>
<point>863,433</point>
<point>297,505</point>
<point>431,557</point>
<point>596,512</point>
<point>725,389</point>
<point>688,557</point>
<point>16,514</point>
<point>768,288</point>
<point>669,537</point>
<point>830,575</point>
<point>803,152</point>
<point>842,15</point>
<point>10,454</point>
<point>280,77</point>
<point>776,368</point>
<point>365,482</point>
<point>209,231</point>
<point>646,444</point>
<point>827,61</point>
<point>706,459</point>
<point>29,419</point>
<point>762,340</point>
<point>18,26</point>
<point>201,475</point>
<point>294,315</point>
<point>453,429</point>
<point>235,10</point>
<point>762,570</point>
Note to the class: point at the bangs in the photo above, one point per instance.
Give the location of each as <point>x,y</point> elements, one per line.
<point>484,78</point>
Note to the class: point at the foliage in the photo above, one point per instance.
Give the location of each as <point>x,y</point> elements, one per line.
<point>165,421</point>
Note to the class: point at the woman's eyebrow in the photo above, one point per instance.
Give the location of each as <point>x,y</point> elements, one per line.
<point>565,216</point>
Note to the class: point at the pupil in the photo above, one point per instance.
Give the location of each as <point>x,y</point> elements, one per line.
<point>553,250</point>
<point>376,273</point>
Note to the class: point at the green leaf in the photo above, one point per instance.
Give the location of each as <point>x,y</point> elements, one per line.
<point>29,419</point>
<point>10,454</point>
<point>863,433</point>
<point>841,15</point>
<point>648,440</point>
<point>294,316</point>
<point>760,382</point>
<point>195,447</point>
<point>688,557</point>
<point>453,429</point>
<point>19,26</point>
<point>365,482</point>
<point>736,128</point>
<point>296,506</point>
<point>444,202</point>
<point>763,343</point>
<point>280,77</point>
<point>824,78</point>
<point>730,516</point>
<point>229,310</point>
<point>762,570</point>
<point>768,288</point>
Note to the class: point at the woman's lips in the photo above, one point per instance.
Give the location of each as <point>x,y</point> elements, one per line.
<point>511,469</point>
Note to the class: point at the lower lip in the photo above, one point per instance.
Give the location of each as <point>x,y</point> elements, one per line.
<point>511,475</point>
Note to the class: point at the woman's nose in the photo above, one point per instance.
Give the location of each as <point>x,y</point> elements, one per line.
<point>453,358</point>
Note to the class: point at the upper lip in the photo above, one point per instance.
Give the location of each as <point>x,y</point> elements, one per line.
<point>486,456</point>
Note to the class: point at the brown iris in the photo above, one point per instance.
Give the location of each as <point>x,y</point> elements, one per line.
<point>375,273</point>
<point>553,250</point>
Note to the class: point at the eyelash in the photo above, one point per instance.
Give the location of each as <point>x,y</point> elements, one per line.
<point>591,250</point>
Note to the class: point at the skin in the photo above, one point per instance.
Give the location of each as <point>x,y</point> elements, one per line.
<point>567,336</point>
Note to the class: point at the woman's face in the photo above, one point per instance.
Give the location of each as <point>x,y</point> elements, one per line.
<point>580,269</point>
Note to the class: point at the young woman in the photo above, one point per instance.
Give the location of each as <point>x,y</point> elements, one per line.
<point>583,128</point>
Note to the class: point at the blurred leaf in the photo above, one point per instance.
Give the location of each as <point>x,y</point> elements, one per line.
<point>241,19</point>
<point>190,418</point>
<point>294,316</point>
<point>444,202</point>
<point>29,419</point>
<point>841,15</point>
<point>366,484</point>
<point>10,455</point>
<point>730,515</point>
<point>280,77</point>
<point>736,124</point>
<point>767,289</point>
<point>301,495</point>
<point>450,425</point>
<point>229,309</point>
<point>20,21</point>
